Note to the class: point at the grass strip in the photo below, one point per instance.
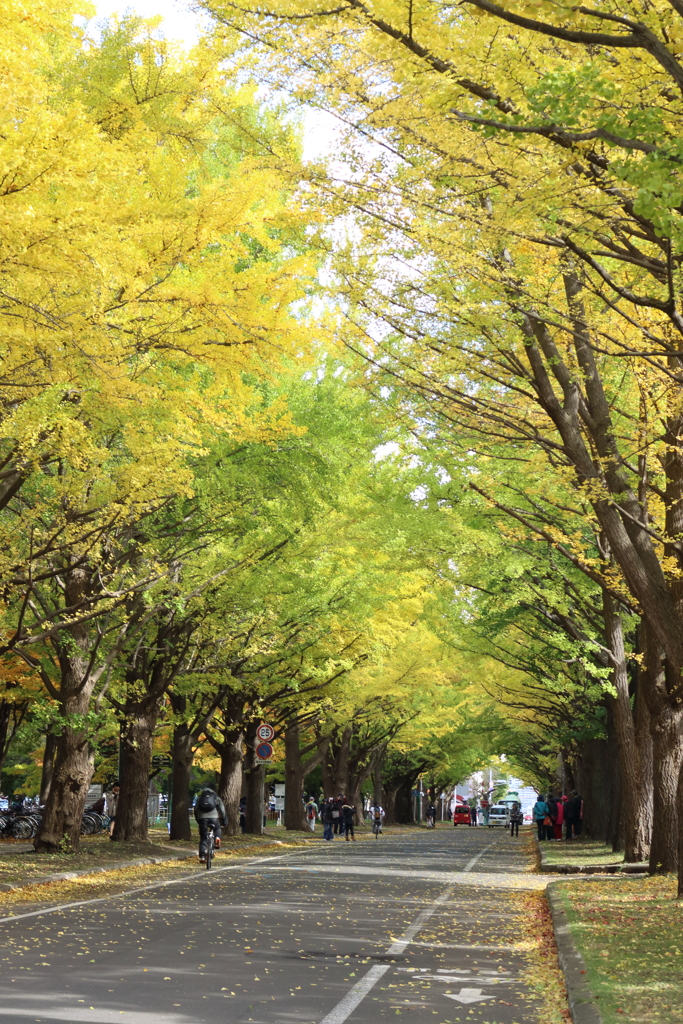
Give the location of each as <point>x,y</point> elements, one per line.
<point>580,852</point>
<point>629,933</point>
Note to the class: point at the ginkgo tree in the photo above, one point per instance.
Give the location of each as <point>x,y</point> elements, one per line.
<point>152,263</point>
<point>521,204</point>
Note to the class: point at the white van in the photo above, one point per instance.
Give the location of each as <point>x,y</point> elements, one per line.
<point>498,815</point>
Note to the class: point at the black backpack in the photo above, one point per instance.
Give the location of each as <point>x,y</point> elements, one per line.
<point>207,801</point>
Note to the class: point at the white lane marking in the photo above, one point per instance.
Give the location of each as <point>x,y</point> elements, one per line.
<point>470,863</point>
<point>357,994</point>
<point>200,875</point>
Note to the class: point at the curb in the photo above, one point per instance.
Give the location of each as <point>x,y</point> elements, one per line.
<point>582,1003</point>
<point>65,876</point>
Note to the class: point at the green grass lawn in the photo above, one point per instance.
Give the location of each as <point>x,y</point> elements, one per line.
<point>581,852</point>
<point>630,932</point>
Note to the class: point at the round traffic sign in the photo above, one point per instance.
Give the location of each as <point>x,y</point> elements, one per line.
<point>265,732</point>
<point>264,751</point>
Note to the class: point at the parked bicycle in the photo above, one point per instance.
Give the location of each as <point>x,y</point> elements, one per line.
<point>26,826</point>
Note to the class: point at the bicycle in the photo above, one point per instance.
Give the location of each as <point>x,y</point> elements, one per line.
<point>210,843</point>
<point>376,827</point>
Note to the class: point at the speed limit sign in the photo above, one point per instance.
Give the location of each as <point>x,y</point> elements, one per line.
<point>265,733</point>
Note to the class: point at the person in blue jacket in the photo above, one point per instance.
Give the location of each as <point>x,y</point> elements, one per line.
<point>540,813</point>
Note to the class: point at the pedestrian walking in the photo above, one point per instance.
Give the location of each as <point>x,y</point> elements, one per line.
<point>243,814</point>
<point>311,813</point>
<point>348,814</point>
<point>539,814</point>
<point>328,819</point>
<point>516,819</point>
<point>485,809</point>
<point>473,813</point>
<point>431,816</point>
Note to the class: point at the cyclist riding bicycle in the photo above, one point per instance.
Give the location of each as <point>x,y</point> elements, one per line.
<point>209,809</point>
<point>377,816</point>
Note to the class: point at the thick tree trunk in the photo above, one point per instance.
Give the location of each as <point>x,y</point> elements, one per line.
<point>230,779</point>
<point>635,796</point>
<point>328,772</point>
<point>74,762</point>
<point>666,722</point>
<point>137,738</point>
<point>377,781</point>
<point>341,764</point>
<point>599,788</point>
<point>73,768</point>
<point>645,758</point>
<point>295,817</point>
<point>666,744</point>
<point>405,810</point>
<point>48,767</point>
<point>254,777</point>
<point>389,803</point>
<point>182,767</point>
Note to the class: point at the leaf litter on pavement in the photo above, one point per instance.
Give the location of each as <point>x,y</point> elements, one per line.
<point>528,934</point>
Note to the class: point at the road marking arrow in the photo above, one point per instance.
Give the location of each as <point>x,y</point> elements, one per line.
<point>468,995</point>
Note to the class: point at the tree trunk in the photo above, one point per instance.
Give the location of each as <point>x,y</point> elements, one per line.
<point>182,767</point>
<point>73,768</point>
<point>48,766</point>
<point>666,722</point>
<point>597,787</point>
<point>295,817</point>
<point>74,762</point>
<point>341,764</point>
<point>666,745</point>
<point>230,779</point>
<point>635,796</point>
<point>137,738</point>
<point>405,811</point>
<point>254,777</point>
<point>389,804</point>
<point>328,772</point>
<point>645,757</point>
<point>377,780</point>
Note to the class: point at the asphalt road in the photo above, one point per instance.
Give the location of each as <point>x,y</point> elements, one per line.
<point>422,925</point>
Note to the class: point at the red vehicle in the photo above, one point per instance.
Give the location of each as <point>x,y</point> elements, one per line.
<point>461,814</point>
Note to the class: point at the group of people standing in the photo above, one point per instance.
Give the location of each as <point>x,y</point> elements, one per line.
<point>551,813</point>
<point>338,816</point>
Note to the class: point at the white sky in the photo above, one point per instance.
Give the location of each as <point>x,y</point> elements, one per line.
<point>179,21</point>
<point>320,129</point>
